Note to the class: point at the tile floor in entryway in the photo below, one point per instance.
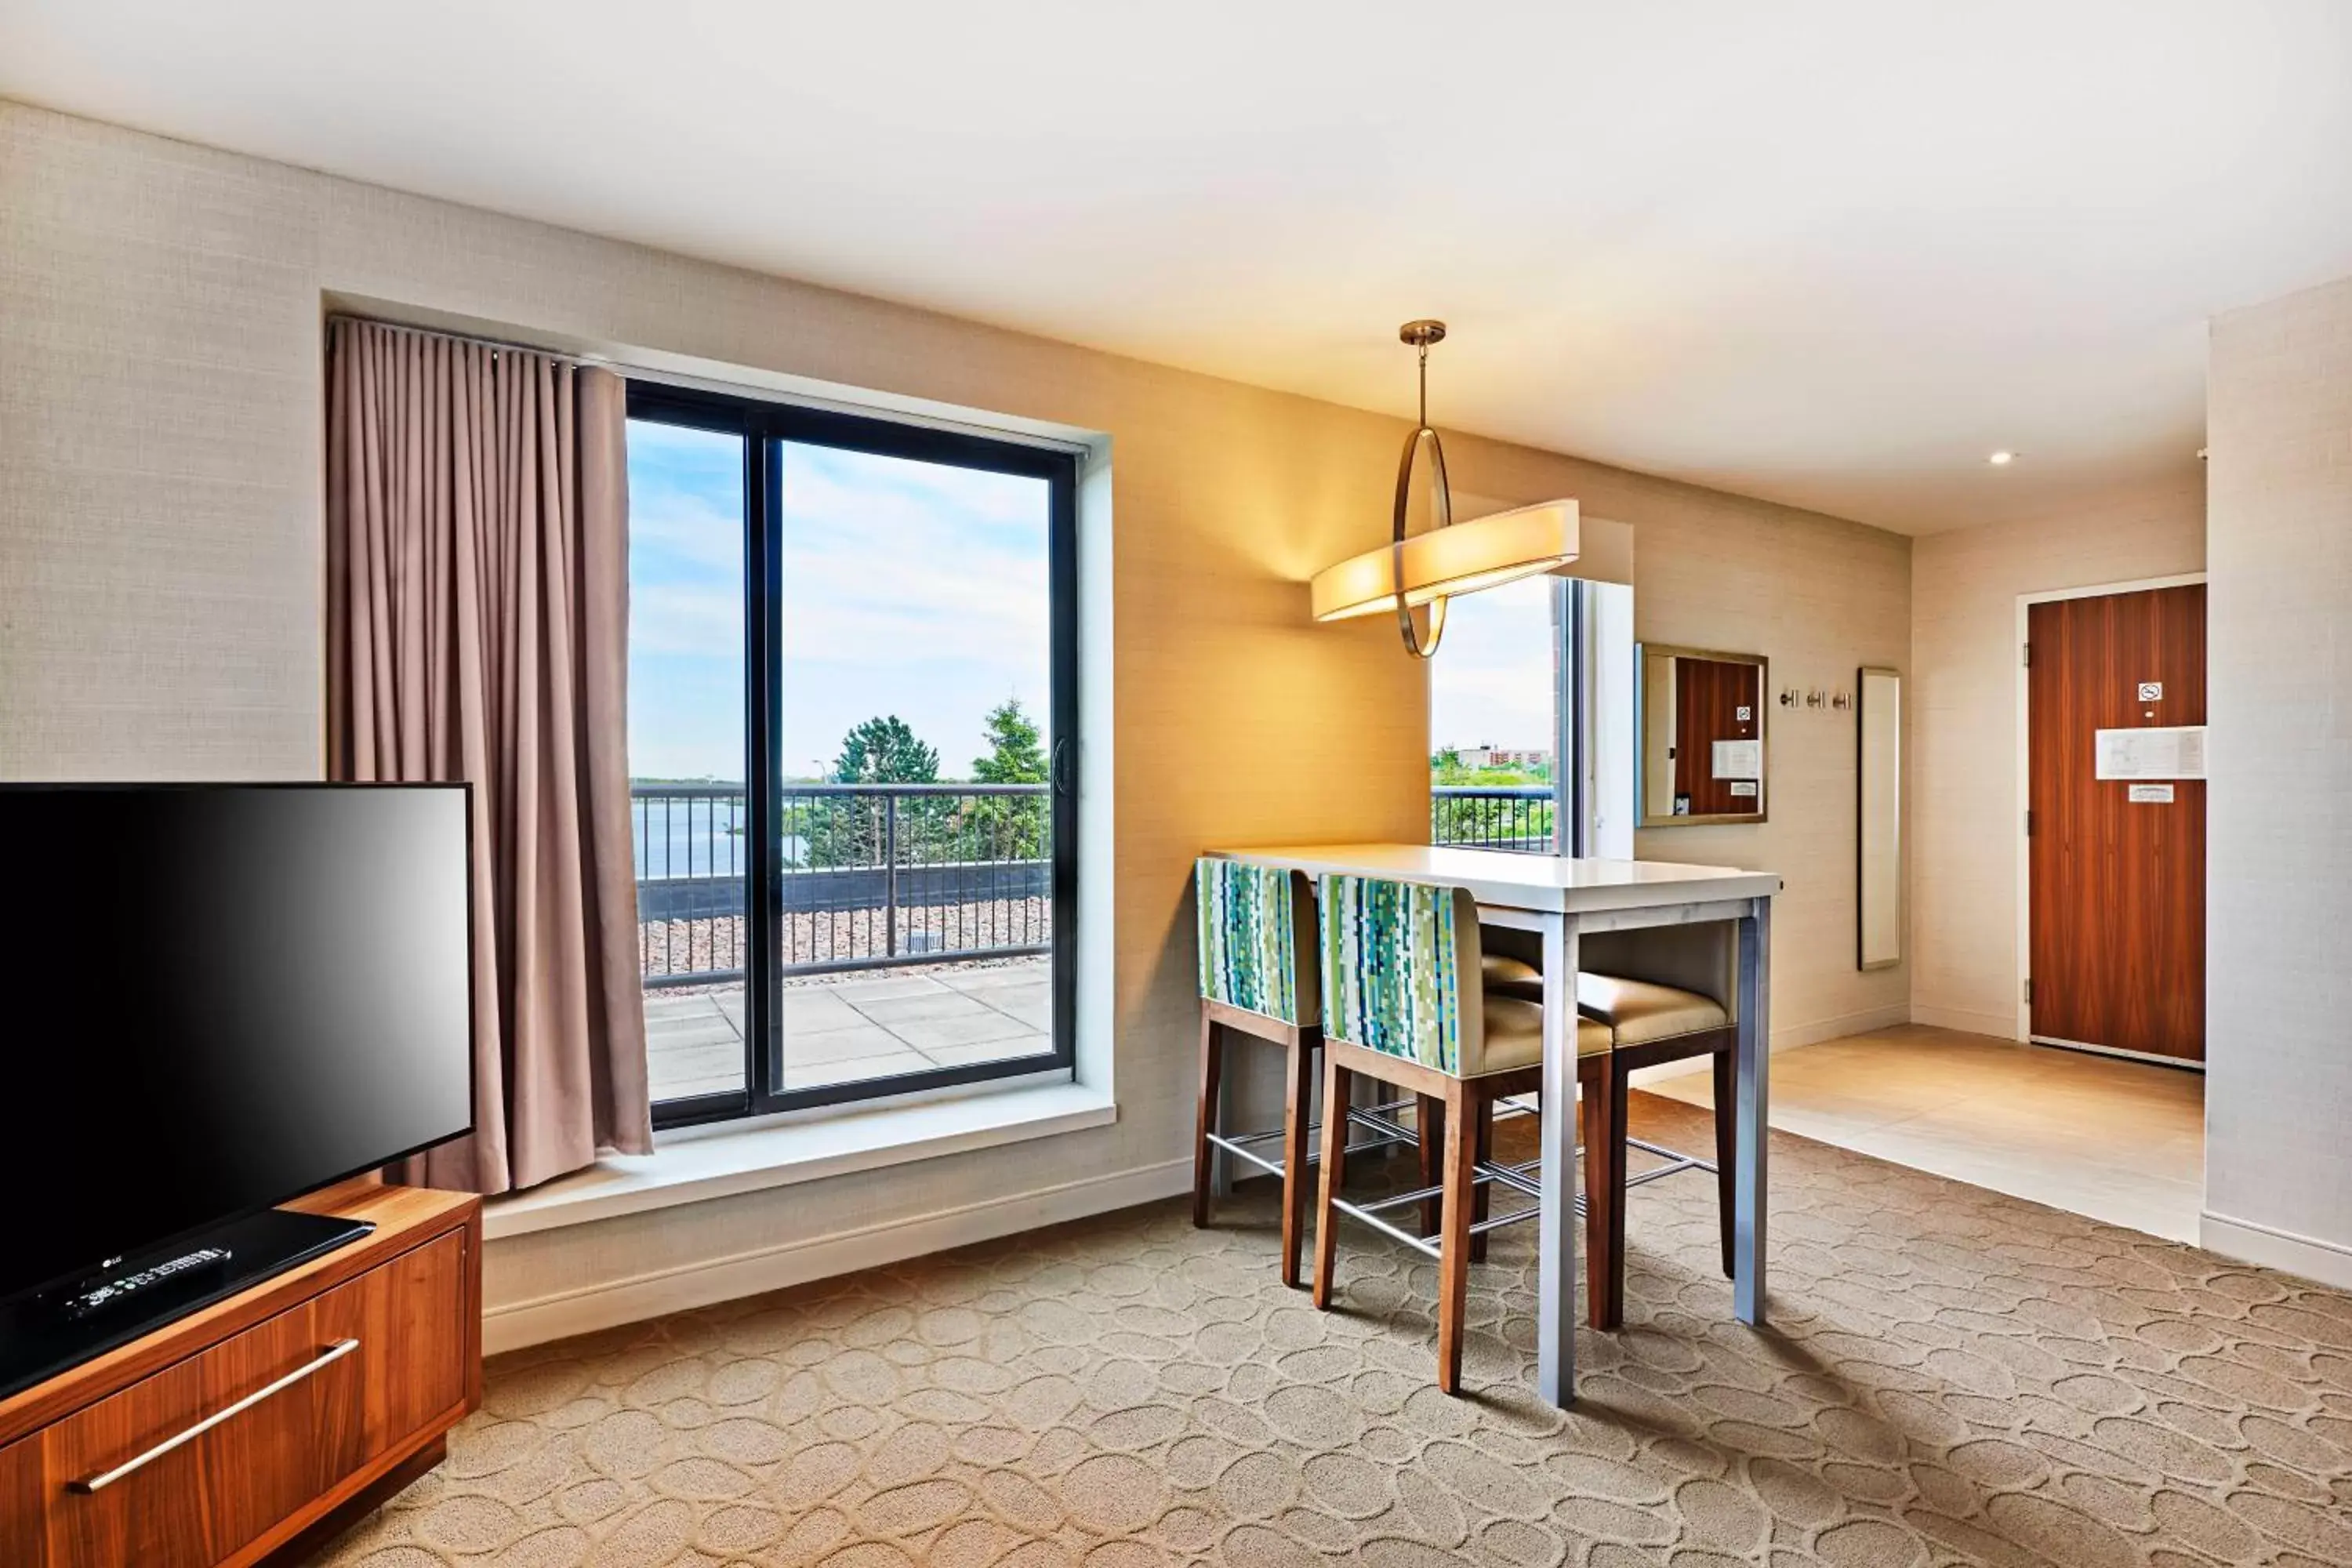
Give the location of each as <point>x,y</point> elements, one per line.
<point>2118,1141</point>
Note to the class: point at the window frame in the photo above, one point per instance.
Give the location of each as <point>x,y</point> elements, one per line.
<point>765,426</point>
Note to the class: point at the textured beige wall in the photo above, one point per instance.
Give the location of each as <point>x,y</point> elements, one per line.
<point>2278,1099</point>
<point>160,557</point>
<point>1965,809</point>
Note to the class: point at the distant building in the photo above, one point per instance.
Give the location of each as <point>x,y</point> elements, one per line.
<point>1502,757</point>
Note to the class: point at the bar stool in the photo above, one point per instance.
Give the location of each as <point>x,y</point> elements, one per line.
<point>1649,1025</point>
<point>1399,960</point>
<point>1256,925</point>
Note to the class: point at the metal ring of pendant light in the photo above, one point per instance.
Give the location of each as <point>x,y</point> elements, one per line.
<point>1419,334</point>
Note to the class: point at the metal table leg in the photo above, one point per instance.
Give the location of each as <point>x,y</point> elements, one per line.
<point>1751,1071</point>
<point>1556,1221</point>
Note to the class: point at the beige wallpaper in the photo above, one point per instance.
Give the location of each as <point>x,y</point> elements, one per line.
<point>160,409</point>
<point>1964,661</point>
<point>2278,1101</point>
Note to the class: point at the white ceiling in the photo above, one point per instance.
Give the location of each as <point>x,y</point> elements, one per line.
<point>1830,252</point>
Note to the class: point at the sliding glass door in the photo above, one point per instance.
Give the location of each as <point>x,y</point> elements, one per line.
<point>880,900</point>
<point>688,750</point>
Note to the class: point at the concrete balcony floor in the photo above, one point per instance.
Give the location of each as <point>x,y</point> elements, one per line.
<point>851,1027</point>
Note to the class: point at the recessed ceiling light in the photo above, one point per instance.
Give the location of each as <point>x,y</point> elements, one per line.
<point>2001,459</point>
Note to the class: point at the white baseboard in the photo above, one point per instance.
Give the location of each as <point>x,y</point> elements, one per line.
<point>2326,1262</point>
<point>2000,1026</point>
<point>1790,1038</point>
<point>633,1298</point>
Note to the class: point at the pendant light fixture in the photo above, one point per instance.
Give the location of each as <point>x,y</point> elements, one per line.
<point>1447,559</point>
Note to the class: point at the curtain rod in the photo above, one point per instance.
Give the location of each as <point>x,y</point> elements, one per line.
<point>495,345</point>
<point>782,396</point>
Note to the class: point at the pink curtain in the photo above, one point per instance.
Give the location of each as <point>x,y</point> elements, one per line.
<point>478,629</point>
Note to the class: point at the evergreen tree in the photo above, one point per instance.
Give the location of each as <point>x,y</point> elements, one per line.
<point>852,830</point>
<point>885,751</point>
<point>1008,827</point>
<point>1015,751</point>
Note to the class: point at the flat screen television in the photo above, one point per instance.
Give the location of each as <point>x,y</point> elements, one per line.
<point>214,998</point>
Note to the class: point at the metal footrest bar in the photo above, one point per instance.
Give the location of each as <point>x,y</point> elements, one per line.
<point>1384,1133</point>
<point>1682,1160</point>
<point>1428,1246</point>
<point>1675,1166</point>
<point>1419,1244</point>
<point>1237,1143</point>
<point>1497,1222</point>
<point>1237,1147</point>
<point>1419,1194</point>
<point>1381,1119</point>
<point>1516,1177</point>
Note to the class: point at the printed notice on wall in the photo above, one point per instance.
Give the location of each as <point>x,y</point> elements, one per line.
<point>1739,759</point>
<point>2178,752</point>
<point>2150,795</point>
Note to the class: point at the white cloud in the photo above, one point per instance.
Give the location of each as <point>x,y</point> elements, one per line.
<point>1491,682</point>
<point>915,588</point>
<point>686,619</point>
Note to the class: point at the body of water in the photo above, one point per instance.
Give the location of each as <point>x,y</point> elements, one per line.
<point>690,837</point>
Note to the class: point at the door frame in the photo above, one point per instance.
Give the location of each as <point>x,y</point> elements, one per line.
<point>2024,787</point>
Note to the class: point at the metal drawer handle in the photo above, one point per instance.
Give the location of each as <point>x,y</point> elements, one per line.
<point>333,1352</point>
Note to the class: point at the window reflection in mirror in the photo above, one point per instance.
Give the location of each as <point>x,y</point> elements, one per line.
<point>1702,736</point>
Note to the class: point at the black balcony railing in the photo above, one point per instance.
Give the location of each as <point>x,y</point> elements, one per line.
<point>1492,816</point>
<point>873,875</point>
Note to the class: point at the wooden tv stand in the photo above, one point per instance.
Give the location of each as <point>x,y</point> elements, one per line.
<point>374,1351</point>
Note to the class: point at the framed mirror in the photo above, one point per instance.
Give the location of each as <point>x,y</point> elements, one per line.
<point>1880,759</point>
<point>1701,721</point>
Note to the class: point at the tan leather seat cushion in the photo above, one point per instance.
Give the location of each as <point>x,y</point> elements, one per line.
<point>1514,1034</point>
<point>1637,1012</point>
<point>1496,969</point>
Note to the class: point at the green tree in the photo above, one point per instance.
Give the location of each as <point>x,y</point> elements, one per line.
<point>885,751</point>
<point>853,830</point>
<point>1008,827</point>
<point>1016,752</point>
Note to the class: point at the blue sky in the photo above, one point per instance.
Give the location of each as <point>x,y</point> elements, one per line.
<point>910,588</point>
<point>1490,683</point>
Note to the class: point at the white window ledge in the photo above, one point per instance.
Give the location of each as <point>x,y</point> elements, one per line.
<point>721,1161</point>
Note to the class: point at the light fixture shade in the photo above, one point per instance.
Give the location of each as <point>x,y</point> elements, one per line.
<point>1484,553</point>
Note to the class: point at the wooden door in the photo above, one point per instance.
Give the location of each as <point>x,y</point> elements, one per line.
<point>1714,700</point>
<point>2117,908</point>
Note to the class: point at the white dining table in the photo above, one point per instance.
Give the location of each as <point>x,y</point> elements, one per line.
<point>1562,898</point>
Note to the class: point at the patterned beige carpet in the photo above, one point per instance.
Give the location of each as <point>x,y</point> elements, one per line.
<point>1954,1376</point>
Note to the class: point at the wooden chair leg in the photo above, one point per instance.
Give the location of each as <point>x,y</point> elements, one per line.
<point>1483,1205</point>
<point>1337,1081</point>
<point>1726,1151</point>
<point>1453,1235</point>
<point>1204,1163</point>
<point>1604,1163</point>
<point>1621,1085</point>
<point>1429,1125</point>
<point>1298,1102</point>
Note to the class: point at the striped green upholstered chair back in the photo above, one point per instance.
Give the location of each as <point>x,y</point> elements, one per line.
<point>1401,972</point>
<point>1258,940</point>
